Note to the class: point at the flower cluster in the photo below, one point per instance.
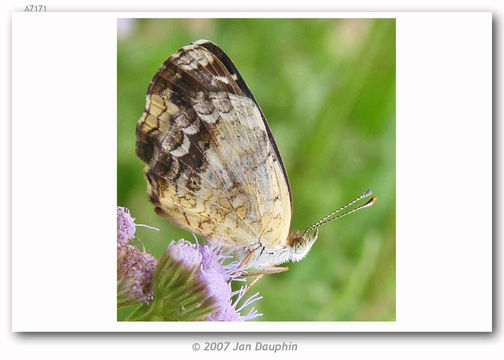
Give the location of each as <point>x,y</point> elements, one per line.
<point>189,282</point>
<point>125,226</point>
<point>217,277</point>
<point>135,268</point>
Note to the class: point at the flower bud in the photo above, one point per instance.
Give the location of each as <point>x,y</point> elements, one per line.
<point>135,269</point>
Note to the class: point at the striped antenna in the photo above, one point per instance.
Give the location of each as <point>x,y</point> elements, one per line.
<point>329,217</point>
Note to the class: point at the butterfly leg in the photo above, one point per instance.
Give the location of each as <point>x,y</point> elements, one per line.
<point>243,264</point>
<point>269,270</point>
<point>246,259</point>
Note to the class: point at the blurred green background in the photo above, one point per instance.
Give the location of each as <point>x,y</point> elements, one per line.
<point>327,88</point>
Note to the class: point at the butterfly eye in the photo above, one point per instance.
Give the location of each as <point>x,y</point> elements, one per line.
<point>299,243</point>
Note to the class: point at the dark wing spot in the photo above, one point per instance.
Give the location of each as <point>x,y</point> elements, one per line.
<point>145,150</point>
<point>193,182</point>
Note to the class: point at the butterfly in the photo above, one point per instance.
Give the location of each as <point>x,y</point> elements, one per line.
<point>212,164</point>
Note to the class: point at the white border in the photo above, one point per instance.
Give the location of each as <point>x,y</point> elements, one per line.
<point>444,146</point>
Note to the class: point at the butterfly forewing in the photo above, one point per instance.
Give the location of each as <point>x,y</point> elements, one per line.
<point>213,167</point>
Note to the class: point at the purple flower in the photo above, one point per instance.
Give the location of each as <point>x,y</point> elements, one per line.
<point>230,312</point>
<point>125,226</point>
<point>135,269</point>
<point>185,253</point>
<point>216,277</point>
<point>189,282</point>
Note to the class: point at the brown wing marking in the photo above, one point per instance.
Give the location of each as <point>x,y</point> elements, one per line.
<point>204,75</point>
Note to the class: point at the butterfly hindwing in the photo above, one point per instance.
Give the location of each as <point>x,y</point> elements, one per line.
<point>212,164</point>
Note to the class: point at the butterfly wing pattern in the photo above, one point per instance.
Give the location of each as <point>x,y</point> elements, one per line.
<point>212,165</point>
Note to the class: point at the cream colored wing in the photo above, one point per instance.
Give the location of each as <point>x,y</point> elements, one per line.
<point>213,167</point>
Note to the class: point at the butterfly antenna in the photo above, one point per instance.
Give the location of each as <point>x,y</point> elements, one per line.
<point>330,217</point>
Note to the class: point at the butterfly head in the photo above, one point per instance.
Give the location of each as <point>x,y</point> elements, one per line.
<point>301,243</point>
